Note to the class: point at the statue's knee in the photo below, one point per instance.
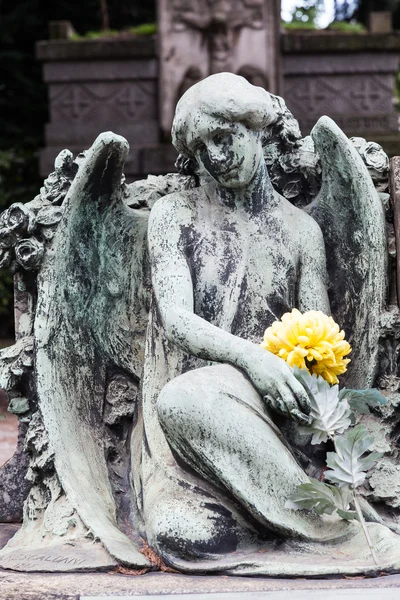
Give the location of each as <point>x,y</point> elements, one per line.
<point>174,404</point>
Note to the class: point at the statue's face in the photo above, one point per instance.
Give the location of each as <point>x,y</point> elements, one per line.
<point>228,151</point>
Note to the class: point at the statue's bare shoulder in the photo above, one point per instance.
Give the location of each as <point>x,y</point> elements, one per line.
<point>176,210</point>
<point>308,231</point>
<point>176,204</point>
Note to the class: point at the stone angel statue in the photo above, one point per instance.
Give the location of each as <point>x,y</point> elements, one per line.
<point>158,426</point>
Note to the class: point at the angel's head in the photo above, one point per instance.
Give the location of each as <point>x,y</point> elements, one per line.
<point>220,123</point>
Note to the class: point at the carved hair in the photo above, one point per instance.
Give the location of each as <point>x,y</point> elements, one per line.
<point>222,96</point>
<point>232,98</point>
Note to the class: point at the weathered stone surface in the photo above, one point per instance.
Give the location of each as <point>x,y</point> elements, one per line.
<point>108,70</point>
<point>63,559</point>
<point>134,160</point>
<point>354,89</point>
<point>358,263</point>
<point>335,42</point>
<point>385,483</point>
<point>395,192</point>
<point>13,485</point>
<point>97,91</point>
<point>102,49</point>
<point>125,103</point>
<point>88,78</point>
<point>137,314</point>
<point>15,586</point>
<point>35,586</point>
<point>295,595</point>
<point>200,38</point>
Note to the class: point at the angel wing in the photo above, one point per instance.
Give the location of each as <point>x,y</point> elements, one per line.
<point>351,216</point>
<point>91,313</point>
<point>81,257</point>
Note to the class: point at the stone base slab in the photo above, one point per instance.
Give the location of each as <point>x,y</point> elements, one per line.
<point>73,586</point>
<point>21,586</point>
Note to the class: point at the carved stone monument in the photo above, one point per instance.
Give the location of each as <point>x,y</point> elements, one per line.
<point>199,38</point>
<point>160,433</point>
<point>130,85</point>
<point>98,85</point>
<point>350,77</point>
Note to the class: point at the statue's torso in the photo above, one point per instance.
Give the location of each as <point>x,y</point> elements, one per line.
<point>244,271</point>
<point>244,274</point>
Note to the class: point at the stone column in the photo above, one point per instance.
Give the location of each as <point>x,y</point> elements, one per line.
<point>201,37</point>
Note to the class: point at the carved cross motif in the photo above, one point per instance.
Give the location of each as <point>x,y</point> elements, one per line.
<point>75,101</point>
<point>130,99</point>
<point>366,94</point>
<point>311,94</point>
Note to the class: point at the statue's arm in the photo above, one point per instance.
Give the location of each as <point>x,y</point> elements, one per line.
<point>173,289</point>
<point>312,288</point>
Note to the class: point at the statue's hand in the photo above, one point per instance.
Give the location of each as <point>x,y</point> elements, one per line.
<point>275,381</point>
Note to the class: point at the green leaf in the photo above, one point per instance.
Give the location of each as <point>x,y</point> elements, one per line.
<point>361,400</point>
<point>323,498</point>
<point>329,415</point>
<point>359,406</point>
<point>347,466</point>
<point>374,397</point>
<point>347,515</point>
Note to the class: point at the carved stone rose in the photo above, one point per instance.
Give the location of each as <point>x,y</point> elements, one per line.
<point>376,161</point>
<point>16,220</point>
<point>29,253</point>
<point>375,157</point>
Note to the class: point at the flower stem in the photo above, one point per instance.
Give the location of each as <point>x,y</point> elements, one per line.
<point>333,439</point>
<point>364,526</point>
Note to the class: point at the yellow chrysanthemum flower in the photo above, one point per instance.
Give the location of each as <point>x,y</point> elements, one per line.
<point>310,341</point>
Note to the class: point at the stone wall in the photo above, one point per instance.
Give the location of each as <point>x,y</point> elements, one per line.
<point>351,78</point>
<point>96,85</point>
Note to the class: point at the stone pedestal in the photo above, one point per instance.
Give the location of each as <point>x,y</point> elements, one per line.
<point>123,582</point>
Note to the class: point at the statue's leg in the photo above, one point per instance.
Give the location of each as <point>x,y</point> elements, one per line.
<point>216,421</point>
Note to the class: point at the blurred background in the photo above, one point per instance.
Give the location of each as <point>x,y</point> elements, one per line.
<point>70,70</point>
